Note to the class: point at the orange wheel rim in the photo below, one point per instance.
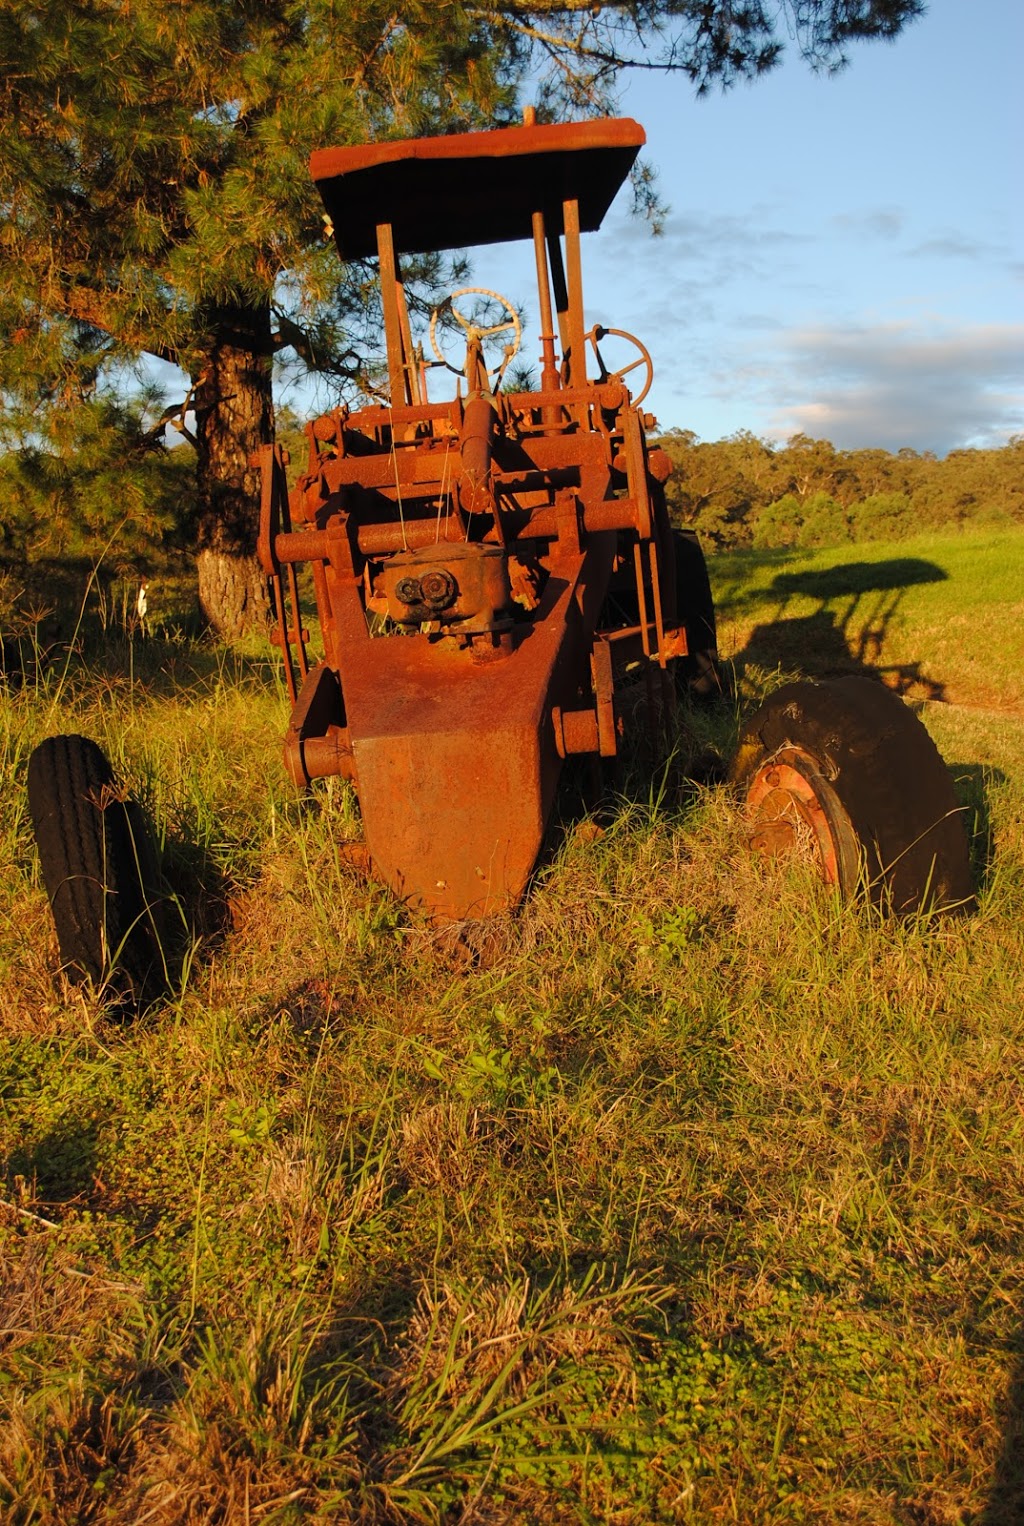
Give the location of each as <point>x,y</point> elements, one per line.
<point>789,802</point>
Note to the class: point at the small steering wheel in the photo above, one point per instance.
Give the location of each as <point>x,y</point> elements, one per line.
<point>594,338</point>
<point>478,331</point>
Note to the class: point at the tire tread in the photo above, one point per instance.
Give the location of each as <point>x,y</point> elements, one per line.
<point>95,862</point>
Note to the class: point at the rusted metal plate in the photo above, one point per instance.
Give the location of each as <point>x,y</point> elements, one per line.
<point>457,759</point>
<point>473,188</point>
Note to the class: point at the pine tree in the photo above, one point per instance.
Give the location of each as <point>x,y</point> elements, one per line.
<point>155,196</point>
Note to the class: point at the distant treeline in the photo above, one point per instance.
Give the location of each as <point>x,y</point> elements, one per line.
<point>112,488</point>
<point>746,492</point>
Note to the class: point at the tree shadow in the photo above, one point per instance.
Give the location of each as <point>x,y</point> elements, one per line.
<point>847,633</point>
<point>1005,1503</point>
<point>197,912</point>
<point>60,1166</point>
<point>170,668</point>
<point>974,783</point>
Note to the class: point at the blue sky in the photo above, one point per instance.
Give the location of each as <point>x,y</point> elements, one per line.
<point>842,256</point>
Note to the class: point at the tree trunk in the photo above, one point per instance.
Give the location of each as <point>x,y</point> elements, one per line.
<point>234,409</point>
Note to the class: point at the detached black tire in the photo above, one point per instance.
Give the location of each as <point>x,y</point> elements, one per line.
<point>99,870</point>
<point>848,766</point>
<point>698,675</point>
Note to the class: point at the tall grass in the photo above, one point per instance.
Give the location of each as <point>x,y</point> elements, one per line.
<point>699,1200</point>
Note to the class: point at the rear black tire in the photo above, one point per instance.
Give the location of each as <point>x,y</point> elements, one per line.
<point>887,776</point>
<point>99,870</point>
<point>698,675</point>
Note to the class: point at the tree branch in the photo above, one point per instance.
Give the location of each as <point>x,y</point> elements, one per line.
<point>84,305</point>
<point>290,335</point>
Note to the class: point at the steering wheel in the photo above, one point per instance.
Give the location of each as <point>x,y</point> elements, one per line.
<point>594,338</point>
<point>478,331</point>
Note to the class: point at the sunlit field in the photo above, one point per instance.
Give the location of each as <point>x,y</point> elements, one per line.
<point>699,1198</point>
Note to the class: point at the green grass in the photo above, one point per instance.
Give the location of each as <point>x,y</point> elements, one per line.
<point>940,617</point>
<point>701,1202</point>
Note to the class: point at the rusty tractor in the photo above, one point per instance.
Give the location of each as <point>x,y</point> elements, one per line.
<point>496,580</point>
<point>488,568</point>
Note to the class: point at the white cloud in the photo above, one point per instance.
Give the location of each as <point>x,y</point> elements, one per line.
<point>882,222</point>
<point>955,246</point>
<point>896,384</point>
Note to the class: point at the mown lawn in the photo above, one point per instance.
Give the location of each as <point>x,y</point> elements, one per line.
<point>700,1201</point>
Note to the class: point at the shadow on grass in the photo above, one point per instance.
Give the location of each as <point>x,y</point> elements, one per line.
<point>974,783</point>
<point>1005,1504</point>
<point>74,620</point>
<point>59,1166</point>
<point>847,633</point>
<point>177,668</point>
<point>199,917</point>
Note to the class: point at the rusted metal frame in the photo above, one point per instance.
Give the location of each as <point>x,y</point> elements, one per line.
<point>282,636</point>
<point>274,520</point>
<point>408,469</point>
<point>325,608</point>
<point>605,514</point>
<point>662,654</point>
<point>297,633</point>
<point>397,371</point>
<point>567,521</point>
<point>549,377</point>
<point>412,371</point>
<point>636,476</point>
<point>333,551</point>
<point>377,415</point>
<point>424,476</point>
<point>656,519</point>
<point>383,537</point>
<point>592,728</point>
<point>635,453</point>
<point>501,528</point>
<point>270,516</point>
<point>604,697</point>
<point>657,655</point>
<point>641,597</point>
<point>382,415</point>
<point>574,276</point>
<point>560,289</point>
<point>659,620</point>
<point>667,560</point>
<point>674,639</point>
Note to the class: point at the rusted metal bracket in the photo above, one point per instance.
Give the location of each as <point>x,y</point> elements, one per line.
<point>604,695</point>
<point>317,743</point>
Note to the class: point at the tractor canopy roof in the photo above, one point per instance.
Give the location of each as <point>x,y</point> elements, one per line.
<point>473,188</point>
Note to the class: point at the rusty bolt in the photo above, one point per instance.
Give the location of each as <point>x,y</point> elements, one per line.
<point>659,465</point>
<point>438,589</point>
<point>409,590</point>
